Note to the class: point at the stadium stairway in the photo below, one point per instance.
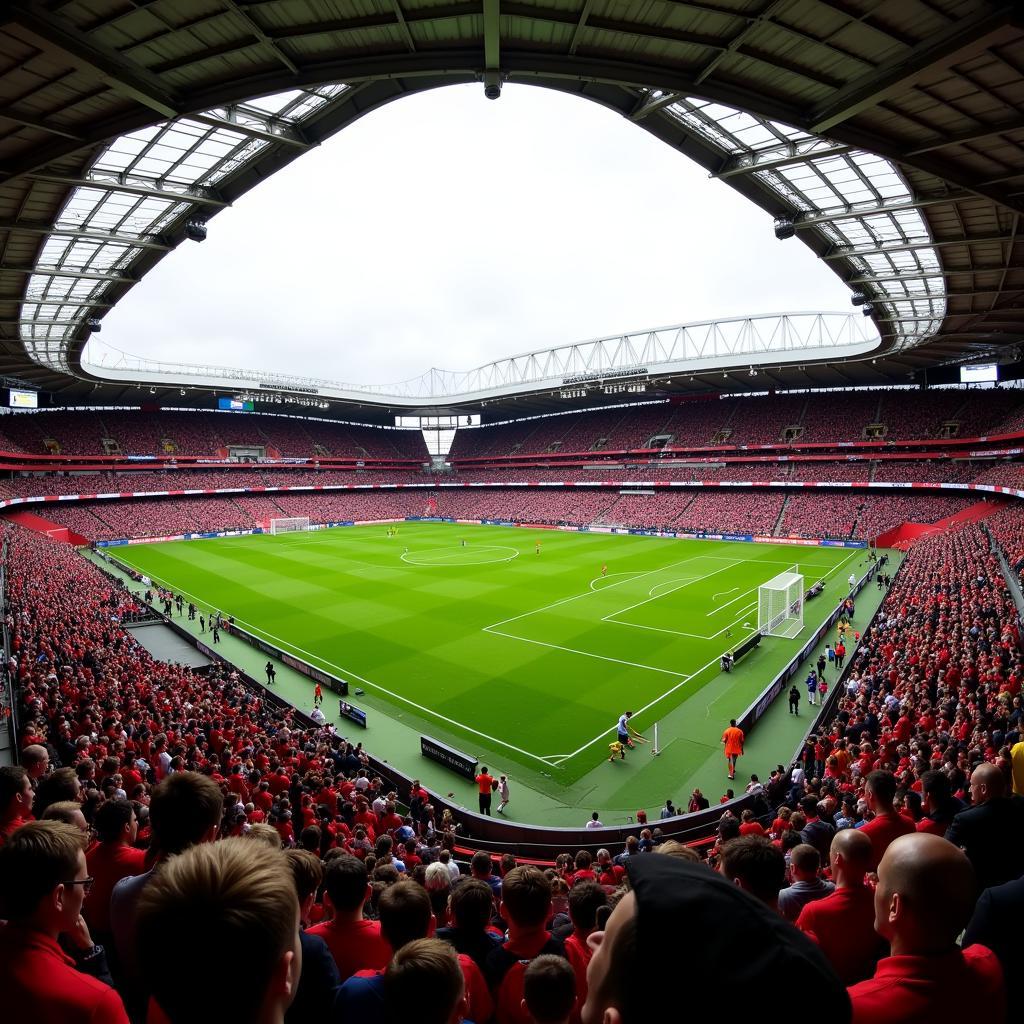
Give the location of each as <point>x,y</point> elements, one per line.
<point>777,531</point>
<point>40,525</point>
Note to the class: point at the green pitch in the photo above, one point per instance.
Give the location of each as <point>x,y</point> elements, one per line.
<point>505,652</point>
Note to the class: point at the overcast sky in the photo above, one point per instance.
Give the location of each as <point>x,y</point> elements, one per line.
<point>449,230</point>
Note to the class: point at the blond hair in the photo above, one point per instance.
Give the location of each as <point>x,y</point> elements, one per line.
<point>265,834</point>
<point>217,911</point>
<point>63,810</point>
<point>34,861</point>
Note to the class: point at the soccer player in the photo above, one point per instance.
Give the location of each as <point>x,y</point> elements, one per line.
<point>625,731</point>
<point>536,546</point>
<point>733,740</point>
<point>604,569</point>
<point>503,793</point>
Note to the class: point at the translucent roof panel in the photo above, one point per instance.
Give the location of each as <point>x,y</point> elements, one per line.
<point>846,192</point>
<point>151,178</point>
<point>144,182</point>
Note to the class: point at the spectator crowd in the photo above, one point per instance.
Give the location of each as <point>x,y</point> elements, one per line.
<point>173,847</point>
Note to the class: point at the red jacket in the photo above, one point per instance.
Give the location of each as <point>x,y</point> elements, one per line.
<point>39,982</point>
<point>961,985</point>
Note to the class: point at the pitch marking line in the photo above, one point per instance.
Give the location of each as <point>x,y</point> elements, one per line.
<point>551,760</point>
<point>597,579</point>
<point>410,560</point>
<point>680,632</point>
<point>668,583</point>
<point>722,607</point>
<point>589,593</point>
<point>349,674</point>
<point>724,593</point>
<point>586,654</point>
<point>667,693</point>
<point>612,617</point>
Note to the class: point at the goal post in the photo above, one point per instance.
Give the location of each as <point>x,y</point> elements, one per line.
<point>294,524</point>
<point>780,605</point>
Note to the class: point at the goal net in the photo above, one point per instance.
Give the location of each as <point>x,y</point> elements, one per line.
<point>293,525</point>
<point>780,605</point>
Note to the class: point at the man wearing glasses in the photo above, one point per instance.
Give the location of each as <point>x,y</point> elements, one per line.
<point>43,884</point>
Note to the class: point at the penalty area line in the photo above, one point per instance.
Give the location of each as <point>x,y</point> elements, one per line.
<point>585,654</point>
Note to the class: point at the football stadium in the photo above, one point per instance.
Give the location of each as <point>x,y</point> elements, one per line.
<point>326,698</point>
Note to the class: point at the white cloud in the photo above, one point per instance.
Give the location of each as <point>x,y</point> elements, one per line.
<point>448,230</point>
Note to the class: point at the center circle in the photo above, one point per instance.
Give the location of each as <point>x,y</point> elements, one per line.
<point>484,554</point>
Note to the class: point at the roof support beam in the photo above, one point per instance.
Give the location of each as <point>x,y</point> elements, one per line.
<point>963,37</point>
<point>121,75</point>
<point>845,252</point>
<point>899,206</point>
<point>40,126</point>
<point>737,40</point>
<point>978,134</point>
<point>41,323</point>
<point>265,40</point>
<point>580,26</point>
<point>83,275</point>
<point>403,25</point>
<point>492,48</point>
<point>745,165</point>
<point>492,35</point>
<point>84,303</point>
<point>289,137</point>
<point>645,106</point>
<point>195,196</point>
<point>42,228</point>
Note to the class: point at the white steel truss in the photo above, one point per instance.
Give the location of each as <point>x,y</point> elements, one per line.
<point>740,343</point>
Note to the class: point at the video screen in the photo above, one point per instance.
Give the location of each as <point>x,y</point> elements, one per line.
<point>234,404</point>
<point>979,373</point>
<point>23,399</point>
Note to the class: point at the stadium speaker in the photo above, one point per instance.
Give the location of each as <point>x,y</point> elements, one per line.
<point>867,309</point>
<point>784,228</point>
<point>343,688</point>
<point>94,325</point>
<point>492,85</point>
<point>858,298</point>
<point>195,230</point>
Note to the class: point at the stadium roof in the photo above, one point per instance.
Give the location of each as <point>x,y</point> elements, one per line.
<point>886,136</point>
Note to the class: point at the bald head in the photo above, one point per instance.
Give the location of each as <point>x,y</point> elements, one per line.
<point>850,856</point>
<point>925,895</point>
<point>36,760</point>
<point>987,783</point>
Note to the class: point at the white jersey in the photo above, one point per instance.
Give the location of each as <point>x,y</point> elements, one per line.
<point>623,725</point>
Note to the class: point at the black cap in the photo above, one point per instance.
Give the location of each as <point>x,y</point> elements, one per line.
<point>695,927</point>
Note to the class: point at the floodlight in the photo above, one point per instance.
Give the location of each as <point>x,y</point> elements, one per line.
<point>94,324</point>
<point>784,228</point>
<point>867,309</point>
<point>858,298</point>
<point>195,230</point>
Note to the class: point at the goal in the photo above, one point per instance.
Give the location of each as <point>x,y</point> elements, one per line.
<point>780,605</point>
<point>293,525</point>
